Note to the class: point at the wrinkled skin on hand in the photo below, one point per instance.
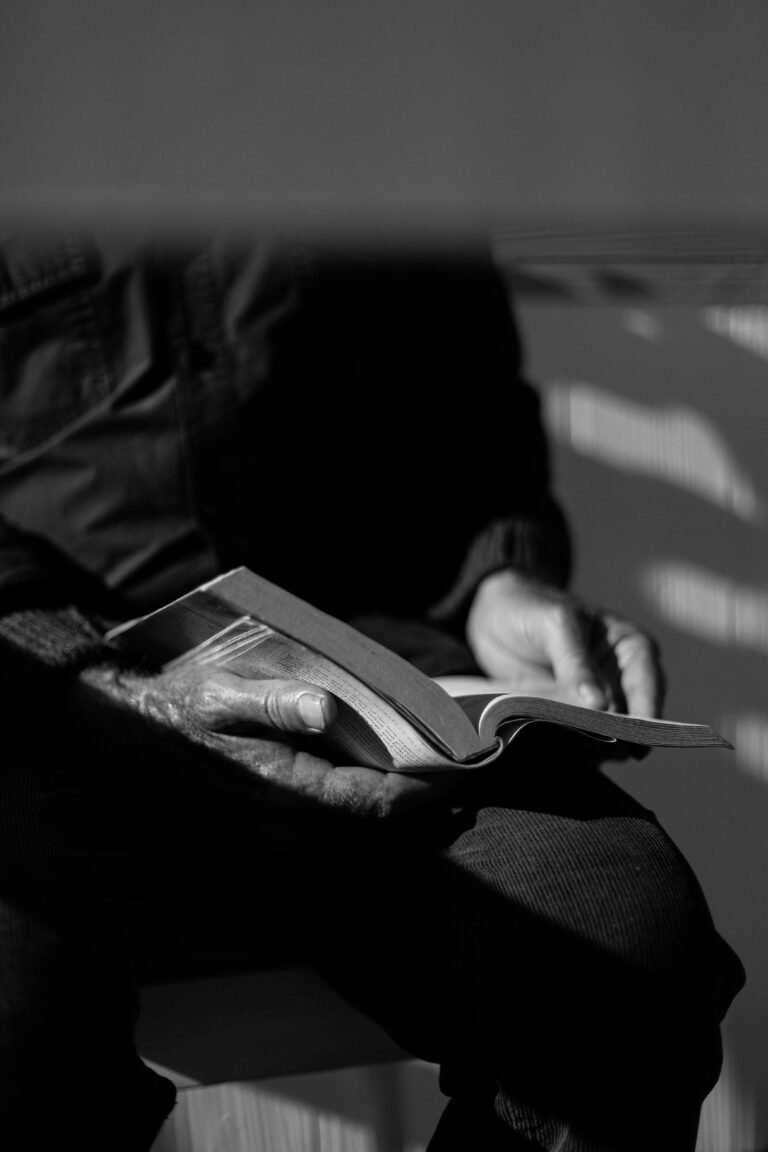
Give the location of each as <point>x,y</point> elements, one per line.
<point>242,739</point>
<point>542,640</point>
<point>247,744</point>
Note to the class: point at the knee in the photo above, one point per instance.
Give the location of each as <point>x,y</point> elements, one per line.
<point>608,889</point>
<point>640,899</point>
<point>646,906</point>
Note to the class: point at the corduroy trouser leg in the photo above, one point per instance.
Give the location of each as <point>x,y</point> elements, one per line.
<point>543,941</point>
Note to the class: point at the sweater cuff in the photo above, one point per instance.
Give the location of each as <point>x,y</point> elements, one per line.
<point>54,639</point>
<point>537,548</point>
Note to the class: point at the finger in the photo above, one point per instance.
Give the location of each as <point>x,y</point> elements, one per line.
<point>370,792</point>
<point>569,655</point>
<point>640,676</point>
<point>637,657</point>
<point>352,789</point>
<point>284,705</point>
<point>604,659</point>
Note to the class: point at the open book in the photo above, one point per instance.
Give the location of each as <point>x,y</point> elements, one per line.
<point>390,715</point>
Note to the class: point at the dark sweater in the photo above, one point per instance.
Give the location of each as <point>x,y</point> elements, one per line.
<point>351,425</point>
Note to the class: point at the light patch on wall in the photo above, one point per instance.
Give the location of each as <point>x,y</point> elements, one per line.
<point>745,326</point>
<point>678,445</point>
<point>643,324</point>
<point>707,605</point>
<point>729,1115</point>
<point>748,732</point>
<point>244,1116</point>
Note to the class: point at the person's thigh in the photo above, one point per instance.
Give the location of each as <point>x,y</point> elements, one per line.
<point>543,941</point>
<point>547,944</point>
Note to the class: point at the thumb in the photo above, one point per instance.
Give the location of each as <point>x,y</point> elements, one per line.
<point>285,705</point>
<point>571,664</point>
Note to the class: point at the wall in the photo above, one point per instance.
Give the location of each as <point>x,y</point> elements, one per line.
<point>415,114</point>
<point>658,415</point>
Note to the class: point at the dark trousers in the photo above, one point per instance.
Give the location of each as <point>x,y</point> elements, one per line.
<point>542,940</point>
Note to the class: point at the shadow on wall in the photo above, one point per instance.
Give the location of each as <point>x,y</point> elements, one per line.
<point>658,419</point>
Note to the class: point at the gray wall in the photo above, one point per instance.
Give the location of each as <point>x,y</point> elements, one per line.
<point>360,113</point>
<point>658,416</point>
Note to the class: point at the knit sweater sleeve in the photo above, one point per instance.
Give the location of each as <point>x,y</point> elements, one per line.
<point>51,625</point>
<point>503,513</point>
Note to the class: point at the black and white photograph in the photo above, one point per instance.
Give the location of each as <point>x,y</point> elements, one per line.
<point>384,576</point>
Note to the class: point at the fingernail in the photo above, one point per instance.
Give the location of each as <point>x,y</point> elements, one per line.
<point>312,711</point>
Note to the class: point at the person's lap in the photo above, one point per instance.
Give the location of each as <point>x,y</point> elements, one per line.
<point>551,950</point>
<point>535,940</point>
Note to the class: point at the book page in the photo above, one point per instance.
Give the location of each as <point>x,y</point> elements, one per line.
<point>543,687</point>
<point>240,598</point>
<point>493,713</point>
<point>491,709</point>
<point>369,729</point>
<point>387,674</point>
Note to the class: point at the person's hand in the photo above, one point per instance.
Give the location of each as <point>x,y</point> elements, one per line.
<point>543,641</point>
<point>234,738</point>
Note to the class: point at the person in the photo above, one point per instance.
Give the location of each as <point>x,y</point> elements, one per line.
<point>354,426</point>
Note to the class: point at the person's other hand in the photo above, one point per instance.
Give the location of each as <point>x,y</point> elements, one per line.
<point>221,732</point>
<point>541,640</point>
